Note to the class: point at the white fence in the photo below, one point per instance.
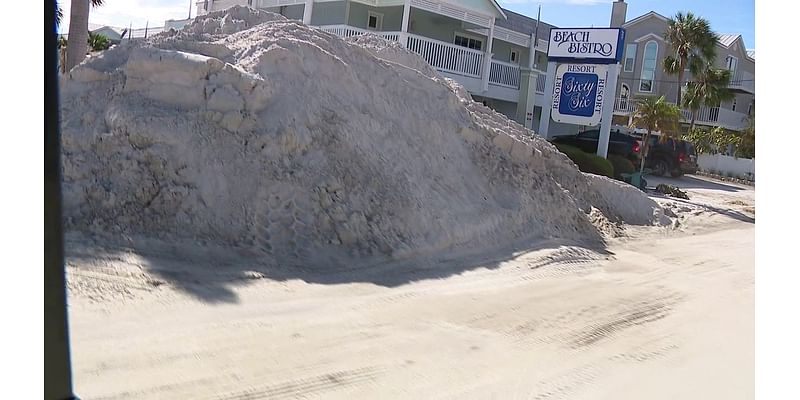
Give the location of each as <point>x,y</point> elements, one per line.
<point>713,116</point>
<point>448,57</point>
<point>540,82</point>
<point>504,74</point>
<point>744,81</point>
<point>346,31</point>
<point>727,165</point>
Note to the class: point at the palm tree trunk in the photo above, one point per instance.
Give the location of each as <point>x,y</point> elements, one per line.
<point>691,124</point>
<point>77,43</point>
<point>680,81</point>
<point>645,149</point>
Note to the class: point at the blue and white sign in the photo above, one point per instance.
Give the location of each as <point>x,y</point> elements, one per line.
<point>578,93</point>
<point>594,45</point>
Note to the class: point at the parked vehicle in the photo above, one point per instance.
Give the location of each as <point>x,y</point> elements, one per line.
<point>619,143</point>
<point>675,157</point>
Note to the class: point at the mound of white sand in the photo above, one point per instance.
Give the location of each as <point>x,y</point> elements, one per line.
<point>249,129</point>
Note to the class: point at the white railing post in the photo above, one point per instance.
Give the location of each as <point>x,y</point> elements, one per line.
<point>403,36</point>
<point>488,58</point>
<point>307,9</point>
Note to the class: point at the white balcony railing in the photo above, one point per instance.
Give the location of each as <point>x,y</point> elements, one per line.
<point>744,81</point>
<point>346,31</point>
<point>624,105</point>
<point>713,116</point>
<point>447,57</point>
<point>504,74</point>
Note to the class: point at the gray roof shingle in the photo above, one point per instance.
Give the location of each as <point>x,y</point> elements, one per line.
<point>728,39</point>
<point>523,24</point>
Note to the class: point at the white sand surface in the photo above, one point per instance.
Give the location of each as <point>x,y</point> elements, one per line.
<point>249,218</point>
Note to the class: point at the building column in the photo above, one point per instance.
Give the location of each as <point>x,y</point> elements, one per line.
<point>488,58</point>
<point>307,10</point>
<point>527,88</point>
<point>527,96</point>
<point>404,26</point>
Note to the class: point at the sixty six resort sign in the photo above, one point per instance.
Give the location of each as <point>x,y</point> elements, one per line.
<point>580,82</point>
<point>578,94</point>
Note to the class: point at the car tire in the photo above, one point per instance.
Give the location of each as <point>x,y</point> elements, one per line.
<point>660,167</point>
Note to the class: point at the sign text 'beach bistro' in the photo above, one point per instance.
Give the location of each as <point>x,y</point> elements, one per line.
<point>578,93</point>
<point>598,45</point>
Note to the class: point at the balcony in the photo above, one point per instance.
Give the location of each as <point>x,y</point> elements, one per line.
<point>710,116</point>
<point>461,63</point>
<point>743,82</point>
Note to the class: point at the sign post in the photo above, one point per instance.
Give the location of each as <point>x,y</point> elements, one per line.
<point>608,113</point>
<point>583,64</point>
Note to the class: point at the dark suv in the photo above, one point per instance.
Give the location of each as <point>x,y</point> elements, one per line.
<point>674,157</point>
<point>619,143</point>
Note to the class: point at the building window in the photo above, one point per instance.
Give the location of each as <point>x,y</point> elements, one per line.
<point>733,104</point>
<point>648,66</point>
<point>630,57</point>
<point>468,42</point>
<point>514,57</point>
<point>731,63</point>
<point>374,21</point>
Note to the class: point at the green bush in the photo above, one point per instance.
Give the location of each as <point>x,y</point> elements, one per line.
<point>621,165</point>
<point>586,162</point>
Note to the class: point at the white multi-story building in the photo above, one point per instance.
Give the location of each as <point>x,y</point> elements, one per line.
<point>500,56</point>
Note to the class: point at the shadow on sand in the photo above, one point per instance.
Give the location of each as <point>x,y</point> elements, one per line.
<point>211,274</point>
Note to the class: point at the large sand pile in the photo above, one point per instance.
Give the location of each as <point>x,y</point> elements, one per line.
<point>247,129</point>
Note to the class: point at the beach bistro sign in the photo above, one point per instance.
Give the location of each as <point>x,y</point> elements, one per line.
<point>587,45</point>
<point>580,82</point>
<point>578,93</point>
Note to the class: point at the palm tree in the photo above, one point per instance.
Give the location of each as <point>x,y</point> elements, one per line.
<point>747,140</point>
<point>655,114</point>
<point>708,88</point>
<point>78,31</point>
<point>692,42</point>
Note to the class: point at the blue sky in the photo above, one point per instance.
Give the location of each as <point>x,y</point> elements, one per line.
<point>725,16</point>
<point>731,16</point>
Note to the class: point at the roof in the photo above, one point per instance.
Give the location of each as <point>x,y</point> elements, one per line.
<point>643,17</point>
<point>751,54</point>
<point>523,24</point>
<point>97,27</point>
<point>499,9</point>
<point>727,39</point>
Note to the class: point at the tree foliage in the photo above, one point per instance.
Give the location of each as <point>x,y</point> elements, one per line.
<point>692,44</point>
<point>718,140</point>
<point>656,114</point>
<point>98,42</point>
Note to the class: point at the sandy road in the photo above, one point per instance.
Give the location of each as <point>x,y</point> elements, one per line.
<point>667,318</point>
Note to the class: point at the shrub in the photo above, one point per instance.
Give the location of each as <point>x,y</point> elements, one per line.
<point>586,162</point>
<point>621,165</point>
<point>98,42</point>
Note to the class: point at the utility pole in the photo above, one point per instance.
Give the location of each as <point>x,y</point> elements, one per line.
<point>57,364</point>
